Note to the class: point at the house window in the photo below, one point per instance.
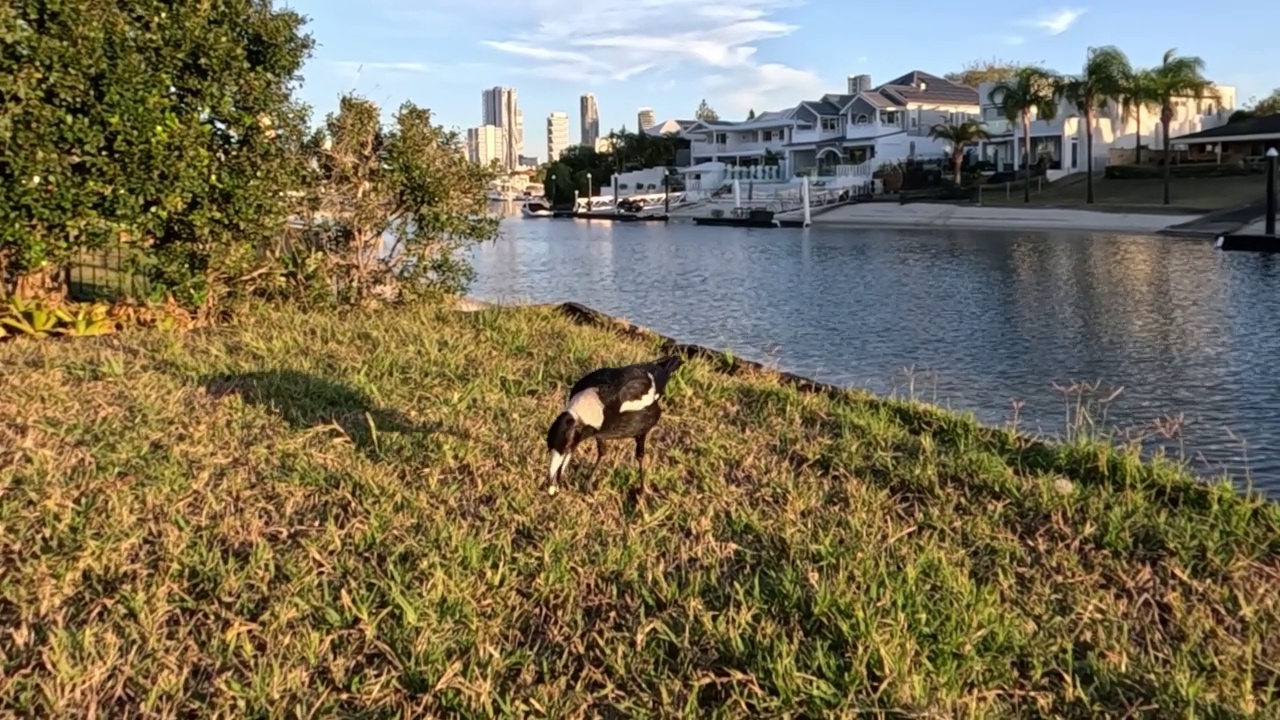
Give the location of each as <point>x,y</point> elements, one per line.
<point>830,124</point>
<point>891,117</point>
<point>722,138</point>
<point>862,120</point>
<point>766,135</point>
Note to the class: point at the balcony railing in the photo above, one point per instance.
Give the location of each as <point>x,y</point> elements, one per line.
<point>998,127</point>
<point>706,148</point>
<point>808,136</point>
<point>868,130</point>
<point>760,173</point>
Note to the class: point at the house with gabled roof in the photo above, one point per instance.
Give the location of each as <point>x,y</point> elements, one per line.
<point>759,141</point>
<point>889,122</point>
<point>670,126</point>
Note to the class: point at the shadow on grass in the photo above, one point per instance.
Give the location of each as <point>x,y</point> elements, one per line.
<point>307,402</point>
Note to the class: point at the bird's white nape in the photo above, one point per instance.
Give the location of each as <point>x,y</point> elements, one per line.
<point>587,408</point>
<point>643,401</point>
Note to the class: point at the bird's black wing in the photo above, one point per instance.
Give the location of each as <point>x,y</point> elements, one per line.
<point>637,382</point>
<point>596,379</point>
<point>621,384</point>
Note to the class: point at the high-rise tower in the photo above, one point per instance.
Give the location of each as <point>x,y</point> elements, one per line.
<point>501,110</point>
<point>557,135</point>
<point>590,115</point>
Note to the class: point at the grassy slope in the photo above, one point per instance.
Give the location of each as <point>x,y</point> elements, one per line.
<point>208,523</point>
<point>1145,195</point>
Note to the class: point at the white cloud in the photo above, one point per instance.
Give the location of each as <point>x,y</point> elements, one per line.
<point>768,86</point>
<point>540,53</point>
<point>1012,40</point>
<point>1056,22</point>
<point>590,41</point>
<point>351,70</point>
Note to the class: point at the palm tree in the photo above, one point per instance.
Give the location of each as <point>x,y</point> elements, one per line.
<point>1105,73</point>
<point>966,133</point>
<point>1031,89</point>
<point>1138,93</point>
<point>1176,78</point>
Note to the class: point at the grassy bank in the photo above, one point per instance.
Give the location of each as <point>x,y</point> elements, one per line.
<point>1139,195</point>
<point>319,514</point>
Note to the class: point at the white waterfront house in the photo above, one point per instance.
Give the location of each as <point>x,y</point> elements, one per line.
<point>1062,140</point>
<point>887,123</point>
<point>760,141</point>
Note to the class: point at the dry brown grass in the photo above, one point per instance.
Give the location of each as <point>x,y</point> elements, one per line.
<point>318,515</point>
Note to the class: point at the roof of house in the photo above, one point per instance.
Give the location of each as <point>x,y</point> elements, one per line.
<point>775,114</point>
<point>822,107</point>
<point>669,126</point>
<point>838,99</point>
<point>876,100</point>
<point>917,86</point>
<point>765,119</point>
<point>1257,128</point>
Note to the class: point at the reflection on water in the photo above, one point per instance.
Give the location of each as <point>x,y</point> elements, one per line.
<point>506,208</point>
<point>985,319</point>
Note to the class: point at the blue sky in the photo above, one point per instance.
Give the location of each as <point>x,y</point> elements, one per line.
<point>738,54</point>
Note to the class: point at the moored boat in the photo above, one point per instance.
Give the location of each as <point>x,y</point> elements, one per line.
<point>536,209</point>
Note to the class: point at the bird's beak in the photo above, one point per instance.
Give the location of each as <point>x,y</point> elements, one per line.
<point>558,464</point>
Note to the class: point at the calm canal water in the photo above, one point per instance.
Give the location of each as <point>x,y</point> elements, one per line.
<point>974,320</point>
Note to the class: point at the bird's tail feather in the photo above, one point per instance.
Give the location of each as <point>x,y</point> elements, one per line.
<point>668,366</point>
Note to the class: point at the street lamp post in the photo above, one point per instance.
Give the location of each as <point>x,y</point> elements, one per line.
<point>1271,191</point>
<point>554,194</point>
<point>589,193</point>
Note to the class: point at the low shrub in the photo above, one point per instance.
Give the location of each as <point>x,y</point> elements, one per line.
<point>1189,170</point>
<point>34,318</point>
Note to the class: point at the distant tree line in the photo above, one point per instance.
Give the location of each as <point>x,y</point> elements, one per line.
<point>977,72</point>
<point>1269,105</point>
<point>627,151</point>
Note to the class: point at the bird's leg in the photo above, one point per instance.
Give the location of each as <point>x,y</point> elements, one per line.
<point>640,459</point>
<point>588,485</point>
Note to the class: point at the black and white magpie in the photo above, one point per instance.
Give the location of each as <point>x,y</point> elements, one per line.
<point>612,403</point>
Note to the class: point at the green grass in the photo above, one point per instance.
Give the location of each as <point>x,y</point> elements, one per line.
<point>319,514</point>
<point>1145,195</point>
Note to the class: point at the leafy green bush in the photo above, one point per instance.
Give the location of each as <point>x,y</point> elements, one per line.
<point>170,127</point>
<point>167,125</point>
<point>388,208</point>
